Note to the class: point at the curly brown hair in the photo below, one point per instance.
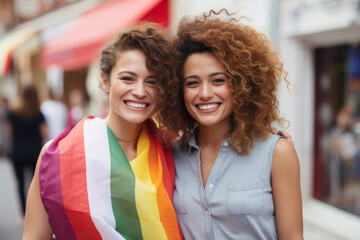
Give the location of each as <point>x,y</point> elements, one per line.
<point>155,42</point>
<point>252,65</point>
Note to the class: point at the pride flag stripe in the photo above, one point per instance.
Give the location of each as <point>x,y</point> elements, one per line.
<point>74,186</point>
<point>156,173</point>
<point>169,220</point>
<point>146,189</point>
<point>97,157</point>
<point>122,195</point>
<point>52,198</point>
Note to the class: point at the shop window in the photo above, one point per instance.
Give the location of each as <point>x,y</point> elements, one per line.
<point>337,127</point>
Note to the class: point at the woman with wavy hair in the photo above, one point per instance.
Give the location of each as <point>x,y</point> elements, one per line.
<point>234,179</point>
<point>112,178</point>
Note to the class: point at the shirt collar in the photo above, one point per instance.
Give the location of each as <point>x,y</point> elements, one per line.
<point>192,142</point>
<point>226,143</point>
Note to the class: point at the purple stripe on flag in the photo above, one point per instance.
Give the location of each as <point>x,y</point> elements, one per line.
<point>50,190</point>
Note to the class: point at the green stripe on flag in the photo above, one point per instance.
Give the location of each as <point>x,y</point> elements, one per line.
<point>122,186</point>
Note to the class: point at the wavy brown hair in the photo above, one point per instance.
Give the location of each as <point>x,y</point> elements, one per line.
<point>155,42</point>
<point>252,65</point>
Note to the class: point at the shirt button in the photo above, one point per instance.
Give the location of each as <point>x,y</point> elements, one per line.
<point>226,144</point>
<point>211,186</point>
<point>207,213</point>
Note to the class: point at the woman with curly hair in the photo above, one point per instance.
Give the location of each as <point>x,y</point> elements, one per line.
<point>112,178</point>
<point>234,179</point>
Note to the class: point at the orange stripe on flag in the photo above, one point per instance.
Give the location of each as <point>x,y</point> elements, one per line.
<point>167,218</point>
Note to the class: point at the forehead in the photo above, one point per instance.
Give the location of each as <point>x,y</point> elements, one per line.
<point>202,62</point>
<point>132,60</point>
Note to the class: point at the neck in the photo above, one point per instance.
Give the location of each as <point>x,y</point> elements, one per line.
<point>125,132</point>
<point>213,135</point>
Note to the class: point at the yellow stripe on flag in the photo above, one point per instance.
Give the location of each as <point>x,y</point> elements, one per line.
<point>145,191</point>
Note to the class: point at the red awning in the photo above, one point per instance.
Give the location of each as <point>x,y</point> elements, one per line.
<point>81,43</point>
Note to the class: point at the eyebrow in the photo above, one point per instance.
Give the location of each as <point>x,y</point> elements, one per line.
<point>134,74</point>
<point>216,73</point>
<point>210,75</point>
<point>128,72</point>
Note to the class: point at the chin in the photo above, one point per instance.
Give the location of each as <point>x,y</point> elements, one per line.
<point>136,119</point>
<point>208,123</point>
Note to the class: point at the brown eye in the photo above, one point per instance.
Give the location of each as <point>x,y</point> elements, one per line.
<point>218,81</point>
<point>191,83</point>
<point>151,82</point>
<point>127,79</point>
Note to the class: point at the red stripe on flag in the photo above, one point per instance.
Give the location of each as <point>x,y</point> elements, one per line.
<point>74,185</point>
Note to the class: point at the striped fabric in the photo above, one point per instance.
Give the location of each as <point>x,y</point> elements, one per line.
<point>91,191</point>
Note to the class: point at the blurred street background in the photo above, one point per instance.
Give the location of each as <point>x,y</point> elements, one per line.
<point>9,210</point>
<point>53,46</point>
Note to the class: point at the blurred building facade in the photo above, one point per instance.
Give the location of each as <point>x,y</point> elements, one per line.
<point>15,12</point>
<point>56,43</point>
<point>320,42</point>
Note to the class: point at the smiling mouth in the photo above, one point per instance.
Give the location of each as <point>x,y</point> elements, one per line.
<point>135,105</point>
<point>208,107</point>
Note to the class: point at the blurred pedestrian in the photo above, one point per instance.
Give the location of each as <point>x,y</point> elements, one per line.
<point>4,135</point>
<point>76,107</point>
<point>28,131</point>
<point>343,156</point>
<point>55,113</point>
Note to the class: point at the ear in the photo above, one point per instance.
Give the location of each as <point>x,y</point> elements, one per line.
<point>105,82</point>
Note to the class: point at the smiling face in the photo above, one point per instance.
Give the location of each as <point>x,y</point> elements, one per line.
<point>131,88</point>
<point>207,93</point>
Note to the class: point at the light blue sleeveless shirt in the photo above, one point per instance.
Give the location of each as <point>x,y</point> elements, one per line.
<point>237,202</point>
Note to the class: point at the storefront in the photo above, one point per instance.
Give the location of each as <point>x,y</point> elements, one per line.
<point>320,44</point>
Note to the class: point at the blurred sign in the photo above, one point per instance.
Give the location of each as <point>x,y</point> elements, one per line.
<point>309,16</point>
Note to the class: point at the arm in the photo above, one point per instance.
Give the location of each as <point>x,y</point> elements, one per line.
<point>285,177</point>
<point>36,219</point>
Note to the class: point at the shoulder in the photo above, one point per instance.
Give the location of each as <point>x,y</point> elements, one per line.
<point>43,151</point>
<point>179,153</point>
<point>45,147</point>
<point>175,147</point>
<point>283,146</point>
<point>285,158</point>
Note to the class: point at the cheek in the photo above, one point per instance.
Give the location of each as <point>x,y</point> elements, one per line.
<point>228,95</point>
<point>188,96</point>
<point>153,93</point>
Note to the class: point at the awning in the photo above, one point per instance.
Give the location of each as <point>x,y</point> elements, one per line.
<point>80,44</point>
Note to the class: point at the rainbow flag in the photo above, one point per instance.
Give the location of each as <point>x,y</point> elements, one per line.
<point>91,191</point>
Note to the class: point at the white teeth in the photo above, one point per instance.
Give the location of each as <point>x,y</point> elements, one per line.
<point>208,106</point>
<point>136,105</point>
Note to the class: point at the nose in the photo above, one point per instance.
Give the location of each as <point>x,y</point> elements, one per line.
<point>139,89</point>
<point>206,91</point>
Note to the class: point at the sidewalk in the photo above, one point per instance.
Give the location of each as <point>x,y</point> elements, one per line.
<point>9,203</point>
